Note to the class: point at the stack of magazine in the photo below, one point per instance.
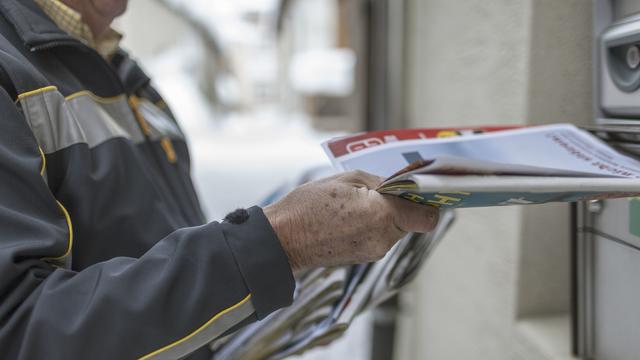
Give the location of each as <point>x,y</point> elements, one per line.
<point>445,168</point>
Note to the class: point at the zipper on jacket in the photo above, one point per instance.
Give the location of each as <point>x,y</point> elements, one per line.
<point>55,43</point>
<point>165,142</point>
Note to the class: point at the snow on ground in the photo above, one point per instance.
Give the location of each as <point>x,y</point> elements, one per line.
<point>239,159</point>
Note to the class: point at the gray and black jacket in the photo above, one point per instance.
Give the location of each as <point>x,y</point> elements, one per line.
<point>104,253</point>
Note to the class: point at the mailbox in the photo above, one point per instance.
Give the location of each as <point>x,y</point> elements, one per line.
<point>607,262</point>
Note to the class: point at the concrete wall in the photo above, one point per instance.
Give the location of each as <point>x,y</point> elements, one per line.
<point>498,287</point>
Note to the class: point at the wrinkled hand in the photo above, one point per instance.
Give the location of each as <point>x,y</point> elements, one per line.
<point>343,220</point>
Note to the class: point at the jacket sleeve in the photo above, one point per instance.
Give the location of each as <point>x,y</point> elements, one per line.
<point>188,289</point>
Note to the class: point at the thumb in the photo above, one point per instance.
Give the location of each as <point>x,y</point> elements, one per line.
<point>412,217</point>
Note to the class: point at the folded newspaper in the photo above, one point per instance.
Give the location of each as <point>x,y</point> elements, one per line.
<point>491,167</point>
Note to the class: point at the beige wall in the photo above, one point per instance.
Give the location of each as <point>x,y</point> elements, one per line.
<point>498,286</point>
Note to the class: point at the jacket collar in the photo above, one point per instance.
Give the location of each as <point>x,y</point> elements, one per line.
<point>38,31</point>
<point>32,25</point>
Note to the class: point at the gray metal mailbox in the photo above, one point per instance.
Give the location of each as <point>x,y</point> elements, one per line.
<point>607,266</point>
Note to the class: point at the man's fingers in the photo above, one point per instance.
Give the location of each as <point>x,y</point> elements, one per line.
<point>363,178</point>
<point>412,217</point>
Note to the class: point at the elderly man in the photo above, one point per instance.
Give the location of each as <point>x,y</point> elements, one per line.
<point>104,251</point>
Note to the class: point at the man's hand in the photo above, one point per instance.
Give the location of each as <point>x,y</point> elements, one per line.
<point>343,220</point>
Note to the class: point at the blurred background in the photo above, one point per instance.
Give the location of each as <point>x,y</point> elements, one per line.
<point>258,84</point>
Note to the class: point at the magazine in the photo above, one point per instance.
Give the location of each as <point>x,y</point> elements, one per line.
<point>493,166</point>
